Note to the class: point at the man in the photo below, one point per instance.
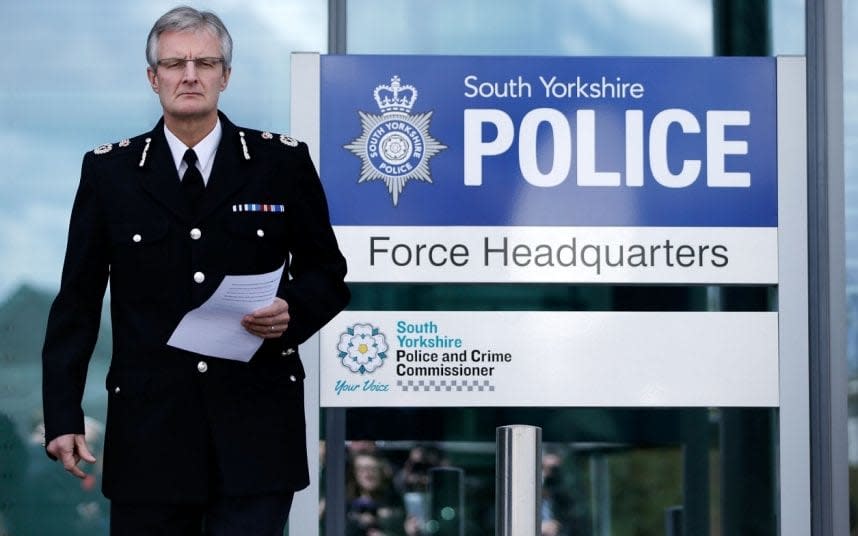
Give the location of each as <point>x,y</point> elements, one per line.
<point>192,441</point>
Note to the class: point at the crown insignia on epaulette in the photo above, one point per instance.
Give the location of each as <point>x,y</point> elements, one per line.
<point>288,140</point>
<point>395,98</point>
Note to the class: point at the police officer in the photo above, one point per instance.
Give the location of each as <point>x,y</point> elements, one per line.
<point>192,441</point>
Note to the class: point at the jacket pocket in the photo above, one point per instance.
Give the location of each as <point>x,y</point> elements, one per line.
<point>139,239</point>
<point>127,386</point>
<point>256,240</point>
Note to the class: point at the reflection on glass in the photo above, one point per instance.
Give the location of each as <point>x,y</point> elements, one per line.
<point>605,471</point>
<point>850,119</point>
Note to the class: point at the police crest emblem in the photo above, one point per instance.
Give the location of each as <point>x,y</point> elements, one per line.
<point>396,146</point>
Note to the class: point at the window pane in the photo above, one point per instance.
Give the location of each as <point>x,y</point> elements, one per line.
<point>623,470</point>
<point>540,27</point>
<point>850,138</point>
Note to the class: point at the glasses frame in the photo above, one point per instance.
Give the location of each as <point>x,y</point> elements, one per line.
<point>180,64</point>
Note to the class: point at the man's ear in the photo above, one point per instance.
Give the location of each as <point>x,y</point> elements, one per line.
<point>225,79</point>
<point>153,79</point>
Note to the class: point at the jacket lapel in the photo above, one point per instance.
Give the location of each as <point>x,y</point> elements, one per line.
<point>160,177</point>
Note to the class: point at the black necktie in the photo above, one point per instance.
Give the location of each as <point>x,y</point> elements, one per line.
<point>192,182</point>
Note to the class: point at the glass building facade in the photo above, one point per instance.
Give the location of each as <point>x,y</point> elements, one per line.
<point>75,79</point>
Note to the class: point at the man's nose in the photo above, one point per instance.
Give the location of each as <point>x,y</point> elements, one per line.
<point>190,72</point>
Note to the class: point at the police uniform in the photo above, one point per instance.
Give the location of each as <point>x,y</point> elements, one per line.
<point>182,426</point>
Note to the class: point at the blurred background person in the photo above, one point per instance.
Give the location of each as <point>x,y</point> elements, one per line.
<point>374,507</point>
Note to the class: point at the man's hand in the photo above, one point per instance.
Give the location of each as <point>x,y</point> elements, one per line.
<point>69,449</point>
<point>269,322</point>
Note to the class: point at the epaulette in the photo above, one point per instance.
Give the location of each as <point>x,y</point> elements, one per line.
<point>127,142</point>
<point>248,134</point>
<point>288,141</point>
<point>107,147</point>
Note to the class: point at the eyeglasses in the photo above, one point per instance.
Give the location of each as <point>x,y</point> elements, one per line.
<point>179,64</point>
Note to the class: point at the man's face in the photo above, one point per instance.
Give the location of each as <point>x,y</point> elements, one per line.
<point>188,90</point>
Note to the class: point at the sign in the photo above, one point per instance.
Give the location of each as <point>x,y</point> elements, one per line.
<point>566,170</point>
<point>605,170</point>
<point>536,358</point>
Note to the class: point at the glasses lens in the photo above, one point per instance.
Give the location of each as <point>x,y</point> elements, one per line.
<point>178,64</point>
<point>206,63</point>
<point>173,64</point>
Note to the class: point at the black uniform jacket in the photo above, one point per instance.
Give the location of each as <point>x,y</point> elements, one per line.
<point>182,425</point>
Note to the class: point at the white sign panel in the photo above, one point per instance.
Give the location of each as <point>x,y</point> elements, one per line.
<point>561,254</point>
<point>537,358</point>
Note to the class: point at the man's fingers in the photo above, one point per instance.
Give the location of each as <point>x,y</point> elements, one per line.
<point>75,470</point>
<point>60,445</point>
<point>262,324</point>
<point>70,463</point>
<point>82,449</point>
<point>69,449</point>
<point>278,308</point>
<point>270,310</point>
<point>268,322</point>
<point>267,331</point>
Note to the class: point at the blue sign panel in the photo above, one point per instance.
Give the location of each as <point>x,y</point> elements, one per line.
<point>546,141</point>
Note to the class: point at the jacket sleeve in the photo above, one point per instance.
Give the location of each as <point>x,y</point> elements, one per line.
<point>75,315</point>
<point>316,290</point>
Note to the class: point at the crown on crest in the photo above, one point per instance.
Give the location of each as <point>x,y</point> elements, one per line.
<point>395,98</point>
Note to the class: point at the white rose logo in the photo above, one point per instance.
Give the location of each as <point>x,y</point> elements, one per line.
<point>362,348</point>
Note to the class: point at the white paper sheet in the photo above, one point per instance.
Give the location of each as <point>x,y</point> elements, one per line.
<point>214,328</point>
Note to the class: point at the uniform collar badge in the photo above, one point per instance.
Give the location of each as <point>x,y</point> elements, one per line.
<point>103,149</point>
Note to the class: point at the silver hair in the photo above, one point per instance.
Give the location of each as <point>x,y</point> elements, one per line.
<point>184,19</point>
